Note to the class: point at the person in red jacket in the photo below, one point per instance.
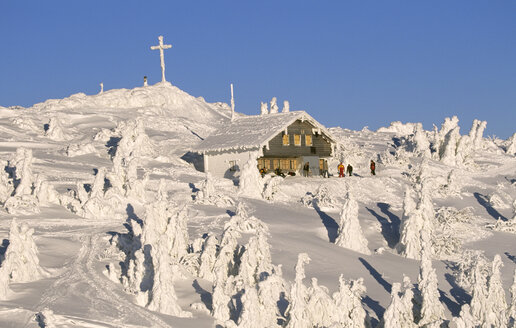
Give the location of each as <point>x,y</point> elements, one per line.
<point>373,167</point>
<point>341,170</point>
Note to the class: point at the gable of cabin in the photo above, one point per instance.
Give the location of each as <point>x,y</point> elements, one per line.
<point>300,139</point>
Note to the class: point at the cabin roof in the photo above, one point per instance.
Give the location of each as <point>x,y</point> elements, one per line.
<point>254,132</point>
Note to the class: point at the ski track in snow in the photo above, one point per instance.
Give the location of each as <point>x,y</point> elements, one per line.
<point>82,270</point>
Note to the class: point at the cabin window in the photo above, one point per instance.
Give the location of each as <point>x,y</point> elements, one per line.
<point>286,140</point>
<point>308,139</point>
<point>275,164</point>
<point>293,164</point>
<point>297,139</point>
<point>233,166</point>
<point>267,164</point>
<point>261,163</point>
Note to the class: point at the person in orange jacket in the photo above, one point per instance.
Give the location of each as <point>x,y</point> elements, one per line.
<point>341,170</point>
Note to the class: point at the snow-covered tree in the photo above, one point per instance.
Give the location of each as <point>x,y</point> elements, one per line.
<point>6,183</point>
<point>220,301</point>
<point>286,107</point>
<point>432,310</point>
<point>449,147</point>
<point>419,141</point>
<point>348,303</point>
<point>251,316</point>
<point>476,133</point>
<point>274,106</point>
<point>497,311</point>
<point>479,306</point>
<point>162,297</point>
<point>297,316</point>
<point>208,258</point>
<point>23,172</point>
<point>320,308</point>
<point>392,315</point>
<point>250,182</point>
<point>511,312</point>
<point>465,319</point>
<point>21,262</point>
<point>511,145</point>
<point>350,233</point>
<point>255,262</point>
<point>270,291</point>
<point>55,130</point>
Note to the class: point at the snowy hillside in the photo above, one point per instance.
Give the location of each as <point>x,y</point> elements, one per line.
<point>105,222</point>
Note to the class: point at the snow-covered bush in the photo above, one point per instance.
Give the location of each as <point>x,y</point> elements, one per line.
<point>245,223</point>
<point>21,262</point>
<point>78,149</point>
<point>401,129</point>
<point>207,194</point>
<point>271,187</point>
<point>453,186</point>
<point>350,233</point>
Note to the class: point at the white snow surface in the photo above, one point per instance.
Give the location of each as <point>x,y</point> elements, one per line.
<point>82,211</point>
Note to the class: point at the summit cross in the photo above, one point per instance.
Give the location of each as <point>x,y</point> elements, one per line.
<point>161,47</point>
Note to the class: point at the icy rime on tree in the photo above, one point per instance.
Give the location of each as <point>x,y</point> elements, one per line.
<point>350,233</point>
<point>21,262</point>
<point>250,182</point>
<point>416,217</point>
<point>132,146</point>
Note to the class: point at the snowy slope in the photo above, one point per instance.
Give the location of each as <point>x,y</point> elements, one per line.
<point>84,227</point>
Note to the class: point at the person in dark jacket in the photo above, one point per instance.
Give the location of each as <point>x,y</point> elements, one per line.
<point>306,169</point>
<point>373,167</point>
<point>349,170</point>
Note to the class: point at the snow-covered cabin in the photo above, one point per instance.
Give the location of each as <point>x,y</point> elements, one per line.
<point>280,140</point>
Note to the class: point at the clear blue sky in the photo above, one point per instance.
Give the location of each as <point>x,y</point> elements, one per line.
<point>348,63</point>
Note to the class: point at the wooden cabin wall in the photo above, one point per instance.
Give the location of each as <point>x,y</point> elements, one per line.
<point>276,148</point>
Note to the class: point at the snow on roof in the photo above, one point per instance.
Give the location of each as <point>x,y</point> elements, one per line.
<point>254,132</point>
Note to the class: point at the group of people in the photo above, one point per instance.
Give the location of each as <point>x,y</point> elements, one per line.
<point>349,169</point>
<point>324,170</point>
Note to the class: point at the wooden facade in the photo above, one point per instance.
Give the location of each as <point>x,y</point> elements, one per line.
<point>290,149</point>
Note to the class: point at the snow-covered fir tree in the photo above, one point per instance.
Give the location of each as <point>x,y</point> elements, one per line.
<point>297,316</point>
<point>250,181</point>
<point>21,262</point>
<point>251,316</point>
<point>511,312</point>
<point>392,315</point>
<point>320,307</point>
<point>431,310</point>
<point>465,319</point>
<point>497,311</point>
<point>350,233</point>
<point>348,303</point>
